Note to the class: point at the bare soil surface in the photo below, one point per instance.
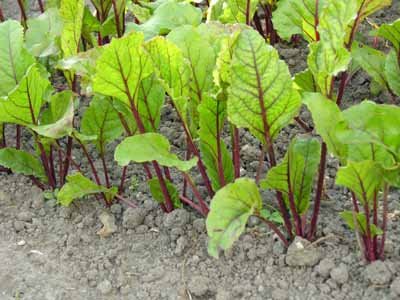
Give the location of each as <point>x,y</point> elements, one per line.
<point>48,252</point>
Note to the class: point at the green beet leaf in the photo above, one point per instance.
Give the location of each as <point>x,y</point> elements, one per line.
<point>22,162</point>
<point>14,58</point>
<point>103,7</point>
<point>149,147</point>
<point>371,132</point>
<point>326,116</point>
<point>63,125</point>
<point>261,96</point>
<point>363,178</point>
<point>166,17</point>
<point>101,119</point>
<point>295,174</point>
<point>212,115</point>
<point>328,57</point>
<point>230,210</point>
<point>23,104</point>
<point>78,186</point>
<point>43,34</point>
<point>372,61</point>
<point>392,71</point>
<point>156,192</point>
<point>305,82</point>
<point>121,67</point>
<point>297,17</point>
<point>200,56</point>
<point>172,71</point>
<point>71,13</point>
<point>231,11</point>
<point>90,24</point>
<point>391,32</point>
<point>348,217</point>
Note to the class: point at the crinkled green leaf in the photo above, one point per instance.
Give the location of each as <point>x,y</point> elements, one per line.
<point>23,104</point>
<point>71,13</point>
<point>326,115</point>
<point>348,217</point>
<point>142,14</point>
<point>231,11</point>
<point>305,82</point>
<point>103,7</point>
<point>60,127</point>
<point>44,31</point>
<point>392,71</point>
<point>169,15</point>
<point>297,17</point>
<point>148,147</point>
<point>272,216</point>
<point>261,95</point>
<point>14,59</point>
<point>296,172</point>
<point>371,132</point>
<point>369,7</point>
<point>101,119</point>
<point>230,209</point>
<point>90,24</point>
<point>200,57</point>
<point>328,57</point>
<point>121,67</point>
<point>22,162</point>
<point>391,32</point>
<point>363,178</point>
<point>372,61</point>
<point>156,192</point>
<point>78,186</point>
<point>212,115</point>
<point>84,65</point>
<point>171,70</point>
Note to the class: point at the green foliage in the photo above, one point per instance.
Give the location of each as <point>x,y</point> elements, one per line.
<point>150,147</point>
<point>120,68</point>
<point>22,162</point>
<point>101,120</point>
<point>363,178</point>
<point>78,186</point>
<point>156,192</point>
<point>71,13</point>
<point>261,96</point>
<point>169,15</point>
<point>212,115</point>
<point>230,210</point>
<point>294,176</point>
<point>23,104</point>
<point>43,35</point>
<point>231,11</point>
<point>14,59</point>
<point>348,217</point>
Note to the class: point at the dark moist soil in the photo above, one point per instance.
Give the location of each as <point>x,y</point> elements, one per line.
<point>49,252</point>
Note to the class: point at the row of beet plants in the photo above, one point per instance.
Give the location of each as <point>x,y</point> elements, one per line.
<point>221,76</point>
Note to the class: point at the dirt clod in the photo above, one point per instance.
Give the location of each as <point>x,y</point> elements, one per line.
<point>301,253</point>
<point>378,273</point>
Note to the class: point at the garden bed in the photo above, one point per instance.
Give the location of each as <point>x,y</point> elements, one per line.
<point>53,252</point>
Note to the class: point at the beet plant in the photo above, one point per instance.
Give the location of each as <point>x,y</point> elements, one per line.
<point>123,63</point>
<point>330,27</point>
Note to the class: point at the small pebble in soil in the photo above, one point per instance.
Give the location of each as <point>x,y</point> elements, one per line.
<point>340,274</point>
<point>395,286</point>
<point>25,216</point>
<point>105,287</point>
<point>378,273</point>
<point>199,285</point>
<point>325,266</point>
